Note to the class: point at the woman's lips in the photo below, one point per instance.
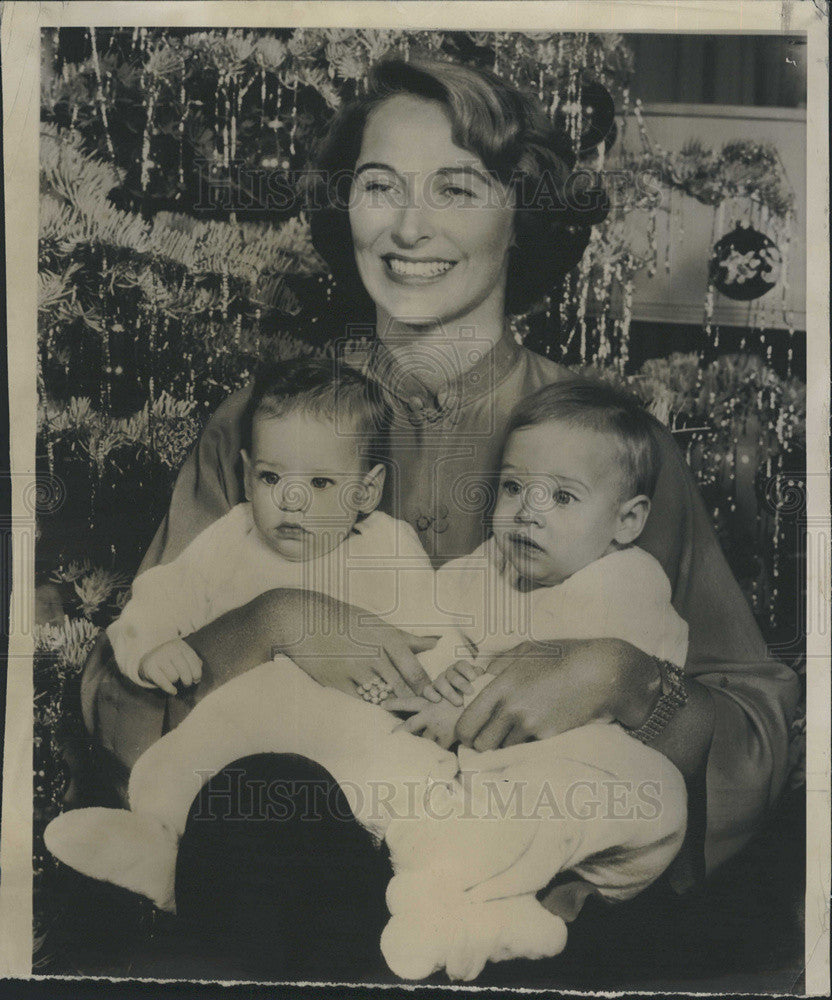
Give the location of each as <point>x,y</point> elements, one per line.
<point>416,272</point>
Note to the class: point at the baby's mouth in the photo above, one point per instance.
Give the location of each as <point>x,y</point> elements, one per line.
<point>400,268</point>
<point>524,543</point>
<point>288,530</point>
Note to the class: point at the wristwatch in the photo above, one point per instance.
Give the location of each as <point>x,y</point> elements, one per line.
<point>673,696</point>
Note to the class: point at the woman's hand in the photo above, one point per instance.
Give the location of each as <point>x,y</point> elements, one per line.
<point>341,646</point>
<point>338,645</point>
<point>543,689</point>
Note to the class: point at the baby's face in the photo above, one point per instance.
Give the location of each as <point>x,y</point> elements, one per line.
<point>559,505</point>
<point>305,484</point>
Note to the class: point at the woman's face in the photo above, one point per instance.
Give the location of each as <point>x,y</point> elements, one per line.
<point>431,227</point>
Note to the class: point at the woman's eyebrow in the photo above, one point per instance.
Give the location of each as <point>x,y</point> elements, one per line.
<point>466,169</point>
<point>374,165</point>
<point>444,171</point>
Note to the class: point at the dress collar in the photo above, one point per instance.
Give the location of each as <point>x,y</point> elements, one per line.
<point>421,403</point>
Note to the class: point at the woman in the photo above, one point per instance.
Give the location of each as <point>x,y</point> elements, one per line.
<point>445,196</point>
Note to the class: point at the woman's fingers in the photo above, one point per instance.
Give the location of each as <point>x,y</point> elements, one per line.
<point>477,715</point>
<point>410,704</point>
<point>514,736</point>
<point>386,670</point>
<point>405,662</point>
<point>420,643</point>
<point>494,732</point>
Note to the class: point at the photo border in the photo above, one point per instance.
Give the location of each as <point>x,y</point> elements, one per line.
<point>20,36</point>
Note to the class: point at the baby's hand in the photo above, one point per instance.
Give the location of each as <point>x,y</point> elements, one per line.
<point>171,663</point>
<point>434,720</point>
<point>455,682</point>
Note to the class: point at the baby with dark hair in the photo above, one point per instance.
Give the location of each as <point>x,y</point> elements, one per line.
<point>313,458</point>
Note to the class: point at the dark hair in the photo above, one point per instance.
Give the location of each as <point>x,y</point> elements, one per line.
<point>327,389</point>
<point>600,407</point>
<point>516,141</point>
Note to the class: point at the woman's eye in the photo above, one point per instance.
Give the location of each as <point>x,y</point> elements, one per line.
<point>269,478</point>
<point>380,186</point>
<point>511,487</point>
<point>456,191</point>
<point>562,498</point>
<point>321,482</point>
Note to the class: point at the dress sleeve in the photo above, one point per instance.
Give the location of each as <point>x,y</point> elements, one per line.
<point>208,485</point>
<point>754,695</point>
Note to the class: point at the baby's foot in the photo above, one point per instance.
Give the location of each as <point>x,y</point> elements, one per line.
<point>131,850</point>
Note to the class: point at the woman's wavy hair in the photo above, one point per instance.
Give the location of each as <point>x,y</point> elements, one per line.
<point>515,139</point>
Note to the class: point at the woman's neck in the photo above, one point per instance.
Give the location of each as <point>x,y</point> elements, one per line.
<point>440,351</point>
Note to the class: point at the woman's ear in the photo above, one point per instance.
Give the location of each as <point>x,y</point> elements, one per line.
<point>372,485</point>
<point>248,473</point>
<point>632,516</point>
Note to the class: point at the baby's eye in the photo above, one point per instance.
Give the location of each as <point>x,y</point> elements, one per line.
<point>321,482</point>
<point>562,498</point>
<point>269,478</point>
<point>511,487</point>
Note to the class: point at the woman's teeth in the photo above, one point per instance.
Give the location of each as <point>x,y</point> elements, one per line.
<point>419,269</point>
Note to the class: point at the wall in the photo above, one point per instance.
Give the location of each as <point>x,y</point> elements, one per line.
<point>678,296</point>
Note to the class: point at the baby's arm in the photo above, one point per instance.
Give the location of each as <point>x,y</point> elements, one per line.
<point>171,663</point>
<point>171,601</point>
<point>457,681</point>
<point>436,720</point>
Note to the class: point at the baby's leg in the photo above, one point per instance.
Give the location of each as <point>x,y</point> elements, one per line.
<point>603,805</point>
<point>593,801</point>
<point>275,707</point>
<point>278,708</point>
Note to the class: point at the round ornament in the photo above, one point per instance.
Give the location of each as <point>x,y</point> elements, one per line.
<point>597,116</point>
<point>745,264</point>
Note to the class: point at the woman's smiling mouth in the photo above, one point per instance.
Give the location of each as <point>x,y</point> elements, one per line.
<point>406,271</point>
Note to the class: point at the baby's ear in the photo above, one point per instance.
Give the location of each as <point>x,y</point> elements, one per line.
<point>372,486</point>
<point>632,516</point>
<point>248,473</point>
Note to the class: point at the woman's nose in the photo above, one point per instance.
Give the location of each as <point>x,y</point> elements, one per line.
<point>413,222</point>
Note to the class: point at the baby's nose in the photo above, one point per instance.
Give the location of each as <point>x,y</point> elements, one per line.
<point>293,496</point>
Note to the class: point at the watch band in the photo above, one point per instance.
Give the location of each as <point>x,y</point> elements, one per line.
<point>673,696</point>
